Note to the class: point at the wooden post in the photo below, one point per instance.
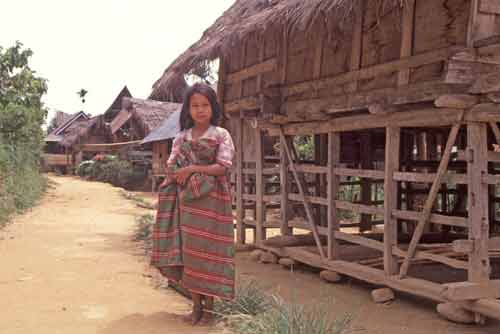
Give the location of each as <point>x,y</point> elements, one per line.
<point>392,151</point>
<point>240,227</point>
<point>260,210</point>
<point>284,185</point>
<point>407,24</point>
<point>333,183</point>
<point>477,167</point>
<point>366,184</point>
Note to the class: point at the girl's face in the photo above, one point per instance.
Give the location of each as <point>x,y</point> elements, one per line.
<point>200,109</point>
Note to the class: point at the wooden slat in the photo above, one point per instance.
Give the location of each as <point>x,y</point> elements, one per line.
<point>302,168</point>
<point>429,177</point>
<point>362,173</point>
<point>359,208</point>
<point>271,171</point>
<point>309,199</point>
<point>374,71</point>
<point>260,209</point>
<point>422,255</point>
<point>252,71</point>
<point>429,202</point>
<point>359,240</point>
<point>392,161</point>
<point>298,180</point>
<point>247,103</point>
<point>284,188</point>
<point>434,218</point>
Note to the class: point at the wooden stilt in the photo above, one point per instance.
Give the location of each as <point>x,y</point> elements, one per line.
<point>284,186</point>
<point>259,189</point>
<point>477,166</point>
<point>240,228</point>
<point>392,151</point>
<point>333,182</point>
<point>366,184</point>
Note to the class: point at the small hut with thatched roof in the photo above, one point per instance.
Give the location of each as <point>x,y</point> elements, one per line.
<point>160,140</point>
<point>399,101</point>
<point>63,143</point>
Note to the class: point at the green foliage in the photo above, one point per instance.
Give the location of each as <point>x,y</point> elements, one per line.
<point>21,136</point>
<point>253,312</point>
<point>304,145</point>
<point>120,173</point>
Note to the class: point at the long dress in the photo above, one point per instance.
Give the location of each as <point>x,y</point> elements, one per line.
<point>193,237</point>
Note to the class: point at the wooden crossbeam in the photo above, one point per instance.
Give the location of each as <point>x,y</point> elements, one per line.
<point>301,187</point>
<point>426,213</point>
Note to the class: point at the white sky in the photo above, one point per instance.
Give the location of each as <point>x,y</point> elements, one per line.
<point>102,45</point>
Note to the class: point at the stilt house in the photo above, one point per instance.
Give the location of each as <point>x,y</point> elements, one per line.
<point>401,100</point>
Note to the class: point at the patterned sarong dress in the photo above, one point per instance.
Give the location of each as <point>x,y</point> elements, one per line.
<point>193,237</point>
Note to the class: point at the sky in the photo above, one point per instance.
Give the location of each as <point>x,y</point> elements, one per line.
<point>102,45</point>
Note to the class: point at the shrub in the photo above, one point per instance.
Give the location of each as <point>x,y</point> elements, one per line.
<point>110,169</point>
<point>252,312</point>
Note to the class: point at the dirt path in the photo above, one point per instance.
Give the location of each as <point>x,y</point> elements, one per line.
<point>69,266</point>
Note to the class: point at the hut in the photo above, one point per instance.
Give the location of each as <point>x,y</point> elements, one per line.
<point>116,106</point>
<point>63,144</point>
<point>160,140</point>
<point>400,99</point>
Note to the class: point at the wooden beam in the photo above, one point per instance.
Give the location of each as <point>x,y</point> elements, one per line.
<point>359,208</point>
<point>392,161</point>
<point>461,291</point>
<point>430,177</point>
<point>477,142</point>
<point>333,187</point>
<point>373,71</point>
<point>417,118</point>
<point>486,83</point>
<point>459,101</point>
<point>307,207</point>
<point>308,199</point>
<point>407,24</point>
<point>247,103</point>
<point>429,202</point>
<point>313,169</point>
<point>363,173</point>
<point>252,71</point>
<point>434,218</point>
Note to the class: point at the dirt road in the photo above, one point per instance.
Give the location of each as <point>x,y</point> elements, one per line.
<point>69,266</point>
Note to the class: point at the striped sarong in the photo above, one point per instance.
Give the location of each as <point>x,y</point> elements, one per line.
<point>193,237</point>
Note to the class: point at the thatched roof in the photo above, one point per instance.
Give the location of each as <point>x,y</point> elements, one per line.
<point>79,130</point>
<point>254,16</point>
<point>169,128</point>
<point>148,113</point>
<point>58,133</point>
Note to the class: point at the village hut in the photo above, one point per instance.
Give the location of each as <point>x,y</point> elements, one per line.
<point>63,144</point>
<point>160,140</point>
<point>400,99</point>
<point>116,106</point>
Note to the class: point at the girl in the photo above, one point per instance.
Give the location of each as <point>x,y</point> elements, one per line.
<point>193,238</point>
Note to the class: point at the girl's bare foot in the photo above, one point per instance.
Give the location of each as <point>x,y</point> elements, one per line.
<point>207,319</point>
<point>194,317</point>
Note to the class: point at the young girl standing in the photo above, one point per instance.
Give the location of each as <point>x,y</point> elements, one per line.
<point>193,238</point>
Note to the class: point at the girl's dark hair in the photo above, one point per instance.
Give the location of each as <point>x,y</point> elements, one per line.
<point>186,121</point>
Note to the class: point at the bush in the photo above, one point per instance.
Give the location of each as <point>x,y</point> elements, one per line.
<point>120,173</point>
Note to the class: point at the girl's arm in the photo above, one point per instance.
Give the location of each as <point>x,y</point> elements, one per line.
<point>182,174</point>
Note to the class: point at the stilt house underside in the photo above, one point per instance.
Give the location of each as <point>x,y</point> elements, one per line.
<point>401,98</point>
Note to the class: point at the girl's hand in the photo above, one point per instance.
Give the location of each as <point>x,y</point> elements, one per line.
<point>182,174</point>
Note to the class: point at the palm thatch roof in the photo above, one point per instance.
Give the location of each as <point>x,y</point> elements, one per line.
<point>245,17</point>
<point>79,130</point>
<point>116,106</point>
<point>148,114</point>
